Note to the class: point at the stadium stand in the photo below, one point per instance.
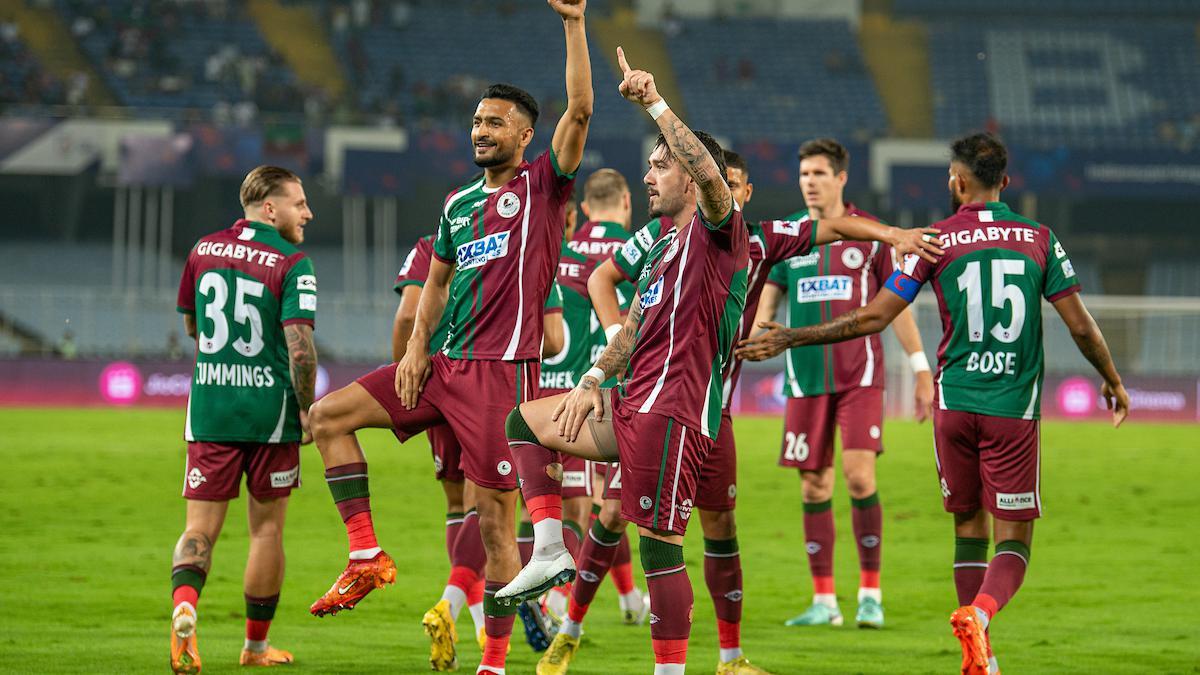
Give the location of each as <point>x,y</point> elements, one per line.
<point>1052,7</point>
<point>787,80</point>
<point>22,79</point>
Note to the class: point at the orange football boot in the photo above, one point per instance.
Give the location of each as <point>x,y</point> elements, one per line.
<point>359,578</point>
<point>973,638</point>
<point>270,657</point>
<point>185,656</point>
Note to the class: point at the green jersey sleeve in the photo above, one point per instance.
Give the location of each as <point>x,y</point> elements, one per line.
<point>554,301</point>
<point>443,244</point>
<point>298,297</point>
<point>1061,279</point>
<point>779,275</point>
<point>631,256</point>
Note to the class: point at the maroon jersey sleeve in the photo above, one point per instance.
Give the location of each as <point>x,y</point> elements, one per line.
<point>787,238</point>
<point>546,177</point>
<point>883,265</point>
<point>185,303</point>
<point>415,269</point>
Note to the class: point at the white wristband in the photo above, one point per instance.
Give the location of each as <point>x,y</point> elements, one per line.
<point>596,373</point>
<point>657,109</point>
<point>919,363</point>
<point>611,331</point>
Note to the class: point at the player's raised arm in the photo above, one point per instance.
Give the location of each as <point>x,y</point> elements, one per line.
<point>1094,348</point>
<point>868,320</point>
<point>571,132</point>
<point>713,195</point>
<point>414,368</point>
<point>921,241</point>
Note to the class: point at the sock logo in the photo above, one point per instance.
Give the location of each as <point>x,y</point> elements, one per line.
<point>870,541</point>
<point>645,502</point>
<point>812,547</point>
<point>504,467</point>
<point>195,478</point>
<point>734,596</point>
<point>589,576</point>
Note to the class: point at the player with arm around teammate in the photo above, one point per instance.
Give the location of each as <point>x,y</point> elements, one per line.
<point>997,267</point>
<point>249,298</point>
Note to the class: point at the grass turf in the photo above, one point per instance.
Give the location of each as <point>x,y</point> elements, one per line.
<point>91,510</point>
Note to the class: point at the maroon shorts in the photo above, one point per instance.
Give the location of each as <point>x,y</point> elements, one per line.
<point>473,398</point>
<point>809,424</point>
<point>989,462</point>
<point>577,472</point>
<point>612,481</point>
<point>660,468</point>
<point>214,470</point>
<point>718,477</point>
<point>447,453</point>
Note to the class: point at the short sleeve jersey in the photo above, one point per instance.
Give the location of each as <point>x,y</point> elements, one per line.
<point>414,272</point>
<point>824,283</point>
<point>692,290</point>
<point>989,284</point>
<point>630,258</point>
<point>504,243</point>
<point>243,285</point>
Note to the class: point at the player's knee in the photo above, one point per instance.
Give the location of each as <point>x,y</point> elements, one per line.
<point>815,489</point>
<point>322,419</point>
<point>517,429</point>
<point>718,524</point>
<point>610,516</point>
<point>860,484</point>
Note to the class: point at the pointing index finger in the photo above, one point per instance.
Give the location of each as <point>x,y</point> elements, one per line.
<point>621,61</point>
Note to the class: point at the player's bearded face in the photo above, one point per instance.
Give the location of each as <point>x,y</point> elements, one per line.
<point>496,132</point>
<point>666,184</point>
<point>289,212</point>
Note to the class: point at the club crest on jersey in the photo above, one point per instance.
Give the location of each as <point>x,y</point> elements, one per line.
<point>852,258</point>
<point>672,251</point>
<point>508,205</point>
<point>820,289</point>
<point>803,260</point>
<point>475,253</point>
<point>652,295</point>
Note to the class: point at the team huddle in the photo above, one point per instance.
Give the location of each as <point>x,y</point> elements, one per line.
<point>577,377</point>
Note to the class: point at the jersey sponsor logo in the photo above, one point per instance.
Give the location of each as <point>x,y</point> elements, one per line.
<point>195,478</point>
<point>459,222</point>
<point>852,258</point>
<point>788,228</point>
<point>652,295</point>
<point>630,252</point>
<point>1068,269</point>
<point>306,282</point>
<point>307,302</point>
<point>804,260</point>
<point>508,205</point>
<point>1058,250</point>
<point>975,235</point>
<point>221,249</point>
<point>1014,501</point>
<point>574,479</point>
<point>563,380</point>
<point>282,479</point>
<point>475,253</point>
<point>645,237</point>
<point>823,288</point>
<point>595,248</point>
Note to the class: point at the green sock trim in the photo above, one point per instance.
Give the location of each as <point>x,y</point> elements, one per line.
<point>574,527</point>
<point>818,507</point>
<point>595,509</point>
<point>187,576</point>
<point>493,608</point>
<point>1013,546</point>
<point>524,529</point>
<point>659,555</point>
<point>260,612</point>
<point>865,502</point>
<point>604,535</point>
<point>351,488</point>
<point>516,429</point>
<point>970,549</point>
<point>720,546</point>
<point>455,516</point>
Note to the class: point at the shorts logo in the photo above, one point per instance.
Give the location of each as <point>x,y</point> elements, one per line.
<point>812,547</point>
<point>282,479</point>
<point>645,502</point>
<point>874,431</point>
<point>852,258</point>
<point>1014,501</point>
<point>945,489</point>
<point>653,618</point>
<point>438,464</point>
<point>822,288</point>
<point>307,302</point>
<point>734,596</point>
<point>685,509</point>
<point>870,541</point>
<point>589,576</point>
<point>653,294</point>
<point>195,478</point>
<point>475,253</point>
<point>504,468</point>
<point>508,205</point>
<point>732,490</point>
<point>574,479</point>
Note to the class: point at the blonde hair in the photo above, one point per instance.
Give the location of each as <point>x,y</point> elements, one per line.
<point>263,182</point>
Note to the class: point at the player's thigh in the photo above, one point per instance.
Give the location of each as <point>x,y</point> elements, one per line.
<point>660,470</point>
<point>267,515</point>
<point>808,427</point>
<point>371,402</point>
<point>717,490</point>
<point>956,451</point>
<point>206,517</point>
<point>454,495</point>
<point>1010,467</point>
<point>348,409</point>
<point>539,416</point>
<point>859,414</point>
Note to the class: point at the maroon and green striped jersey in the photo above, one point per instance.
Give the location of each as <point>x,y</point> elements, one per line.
<point>630,258</point>
<point>414,272</point>
<point>504,243</point>
<point>989,284</point>
<point>824,283</point>
<point>243,285</point>
<point>692,290</point>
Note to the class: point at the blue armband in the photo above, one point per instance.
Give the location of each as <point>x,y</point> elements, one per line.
<point>903,285</point>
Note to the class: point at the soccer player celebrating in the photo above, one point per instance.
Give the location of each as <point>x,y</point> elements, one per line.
<point>249,298</point>
<point>997,267</point>
<point>838,385</point>
<point>499,237</point>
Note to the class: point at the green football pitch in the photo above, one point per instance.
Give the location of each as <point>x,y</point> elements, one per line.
<point>91,509</point>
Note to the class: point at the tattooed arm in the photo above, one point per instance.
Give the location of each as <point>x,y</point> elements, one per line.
<point>712,192</point>
<point>1094,348</point>
<point>302,353</point>
<point>868,320</point>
